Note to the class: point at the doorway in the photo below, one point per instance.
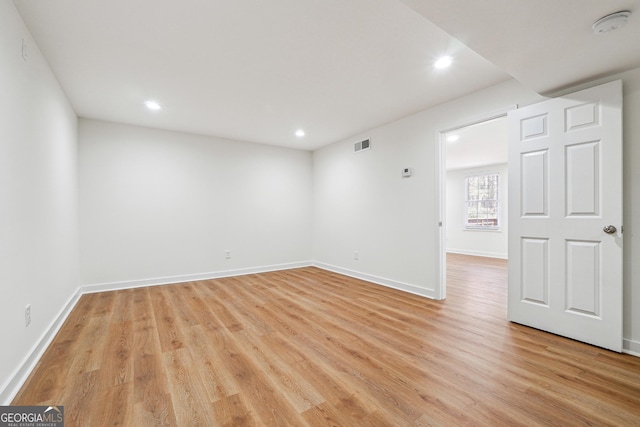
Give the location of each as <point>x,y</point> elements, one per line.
<point>473,190</point>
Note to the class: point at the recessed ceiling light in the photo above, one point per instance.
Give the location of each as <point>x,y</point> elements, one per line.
<point>299,133</point>
<point>443,62</point>
<point>152,105</point>
<point>611,22</point>
<point>453,138</point>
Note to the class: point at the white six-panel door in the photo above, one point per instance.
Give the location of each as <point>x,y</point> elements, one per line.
<point>565,188</point>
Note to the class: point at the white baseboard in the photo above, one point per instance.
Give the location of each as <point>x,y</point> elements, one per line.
<point>429,293</point>
<point>631,347</point>
<point>130,284</point>
<point>478,253</point>
<point>19,377</point>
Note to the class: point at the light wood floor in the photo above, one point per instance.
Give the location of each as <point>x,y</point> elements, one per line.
<point>309,347</point>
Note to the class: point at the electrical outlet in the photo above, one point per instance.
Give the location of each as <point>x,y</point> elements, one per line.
<point>356,255</point>
<point>227,254</point>
<point>27,315</point>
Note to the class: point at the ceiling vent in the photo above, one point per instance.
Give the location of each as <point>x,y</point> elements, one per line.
<point>365,144</point>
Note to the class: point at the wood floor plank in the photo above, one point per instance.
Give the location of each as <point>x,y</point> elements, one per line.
<point>118,404</point>
<point>299,392</point>
<point>123,305</point>
<point>254,384</point>
<point>158,412</point>
<point>79,399</point>
<point>233,411</point>
<point>168,326</point>
<point>347,360</point>
<point>152,400</point>
<point>188,393</point>
<point>312,347</point>
<point>116,367</point>
<point>326,414</point>
<point>218,382</point>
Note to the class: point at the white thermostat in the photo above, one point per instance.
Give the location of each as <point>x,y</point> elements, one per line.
<point>407,172</point>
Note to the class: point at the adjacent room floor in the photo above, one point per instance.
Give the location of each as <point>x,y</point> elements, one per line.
<point>311,347</point>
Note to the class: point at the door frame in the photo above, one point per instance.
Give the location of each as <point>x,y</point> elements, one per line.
<point>441,191</point>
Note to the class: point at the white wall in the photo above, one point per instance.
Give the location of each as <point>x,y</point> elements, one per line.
<point>361,203</point>
<point>159,206</point>
<point>38,199</point>
<point>490,243</point>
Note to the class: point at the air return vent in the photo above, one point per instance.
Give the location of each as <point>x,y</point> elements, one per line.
<point>365,144</point>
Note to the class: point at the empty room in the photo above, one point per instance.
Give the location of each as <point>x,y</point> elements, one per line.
<point>244,213</point>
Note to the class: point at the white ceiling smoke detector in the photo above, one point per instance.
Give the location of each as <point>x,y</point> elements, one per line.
<point>611,22</point>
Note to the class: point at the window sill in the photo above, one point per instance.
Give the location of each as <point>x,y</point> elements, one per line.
<point>493,230</point>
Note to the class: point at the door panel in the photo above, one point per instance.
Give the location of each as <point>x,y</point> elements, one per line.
<point>535,271</point>
<point>583,284</point>
<point>565,185</point>
<point>535,186</point>
<point>583,190</point>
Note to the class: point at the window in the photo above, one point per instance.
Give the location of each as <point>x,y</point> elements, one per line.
<point>482,201</point>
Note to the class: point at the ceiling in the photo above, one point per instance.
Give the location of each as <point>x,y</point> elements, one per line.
<point>481,144</point>
<point>547,45</point>
<point>259,70</point>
